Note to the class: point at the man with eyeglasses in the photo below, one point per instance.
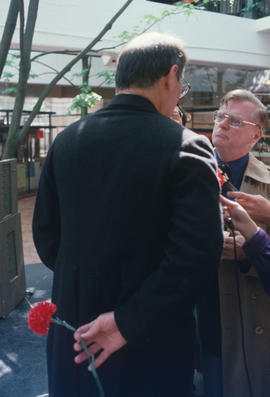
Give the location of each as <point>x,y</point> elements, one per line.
<point>239,124</point>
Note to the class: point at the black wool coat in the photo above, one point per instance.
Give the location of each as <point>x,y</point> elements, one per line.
<point>127,216</point>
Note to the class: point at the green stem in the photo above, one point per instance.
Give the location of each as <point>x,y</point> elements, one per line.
<point>91,359</point>
<point>57,320</point>
<point>28,302</point>
<point>93,369</point>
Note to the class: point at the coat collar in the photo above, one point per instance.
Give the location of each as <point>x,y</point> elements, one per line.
<point>136,101</point>
<point>257,170</point>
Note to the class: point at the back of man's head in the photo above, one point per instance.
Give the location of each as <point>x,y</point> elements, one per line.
<point>260,116</point>
<point>147,58</point>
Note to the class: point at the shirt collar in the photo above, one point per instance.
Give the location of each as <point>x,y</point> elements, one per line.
<point>236,167</point>
<point>238,163</point>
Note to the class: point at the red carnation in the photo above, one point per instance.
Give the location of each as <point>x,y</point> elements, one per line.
<point>221,177</point>
<point>40,317</point>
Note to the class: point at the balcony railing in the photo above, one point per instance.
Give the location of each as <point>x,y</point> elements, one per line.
<point>253,9</point>
<point>243,8</point>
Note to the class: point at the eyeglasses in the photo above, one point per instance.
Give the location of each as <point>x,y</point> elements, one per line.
<point>233,121</point>
<point>185,88</point>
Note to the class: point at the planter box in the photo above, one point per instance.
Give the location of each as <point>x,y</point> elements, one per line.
<point>8,188</point>
<point>12,274</point>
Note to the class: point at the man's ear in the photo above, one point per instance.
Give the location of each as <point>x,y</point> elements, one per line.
<point>258,134</point>
<point>172,75</point>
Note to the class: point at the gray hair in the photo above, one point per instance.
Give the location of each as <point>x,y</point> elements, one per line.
<point>241,95</point>
<point>148,57</point>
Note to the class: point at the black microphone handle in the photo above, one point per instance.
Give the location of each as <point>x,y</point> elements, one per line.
<point>228,185</point>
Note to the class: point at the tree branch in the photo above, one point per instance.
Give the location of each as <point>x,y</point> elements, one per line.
<point>56,71</point>
<point>21,9</point>
<point>25,47</point>
<point>66,52</point>
<point>48,88</point>
<point>178,10</point>
<point>8,33</point>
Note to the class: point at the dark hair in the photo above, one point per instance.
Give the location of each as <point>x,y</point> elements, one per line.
<point>147,58</point>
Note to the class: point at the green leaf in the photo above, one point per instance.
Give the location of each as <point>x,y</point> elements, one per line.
<point>9,62</point>
<point>7,76</point>
<point>108,75</point>
<point>11,90</point>
<point>17,56</point>
<point>84,101</point>
<point>77,74</point>
<point>85,88</point>
<point>249,8</point>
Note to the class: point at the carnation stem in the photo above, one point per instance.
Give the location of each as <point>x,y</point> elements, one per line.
<point>29,303</point>
<point>91,359</point>
<point>57,320</point>
<point>93,369</point>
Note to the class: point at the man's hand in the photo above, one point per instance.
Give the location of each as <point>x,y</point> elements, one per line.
<point>102,335</point>
<point>256,206</point>
<point>228,249</point>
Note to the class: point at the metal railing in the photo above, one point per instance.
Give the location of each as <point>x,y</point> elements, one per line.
<point>253,9</point>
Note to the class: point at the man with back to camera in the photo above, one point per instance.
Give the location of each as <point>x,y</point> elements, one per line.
<point>239,124</point>
<point>124,200</point>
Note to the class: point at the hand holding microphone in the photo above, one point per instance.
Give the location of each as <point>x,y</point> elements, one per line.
<point>239,217</point>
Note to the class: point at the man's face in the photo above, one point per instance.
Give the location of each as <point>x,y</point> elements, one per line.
<point>233,143</point>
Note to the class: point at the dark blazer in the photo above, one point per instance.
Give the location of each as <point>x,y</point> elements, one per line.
<point>127,216</point>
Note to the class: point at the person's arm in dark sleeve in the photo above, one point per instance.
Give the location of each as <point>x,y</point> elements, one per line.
<point>193,249</point>
<point>46,218</point>
<point>257,248</point>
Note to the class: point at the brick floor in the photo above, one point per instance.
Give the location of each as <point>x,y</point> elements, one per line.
<point>26,208</point>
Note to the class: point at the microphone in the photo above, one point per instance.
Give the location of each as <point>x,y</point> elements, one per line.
<point>229,224</point>
<point>226,174</point>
